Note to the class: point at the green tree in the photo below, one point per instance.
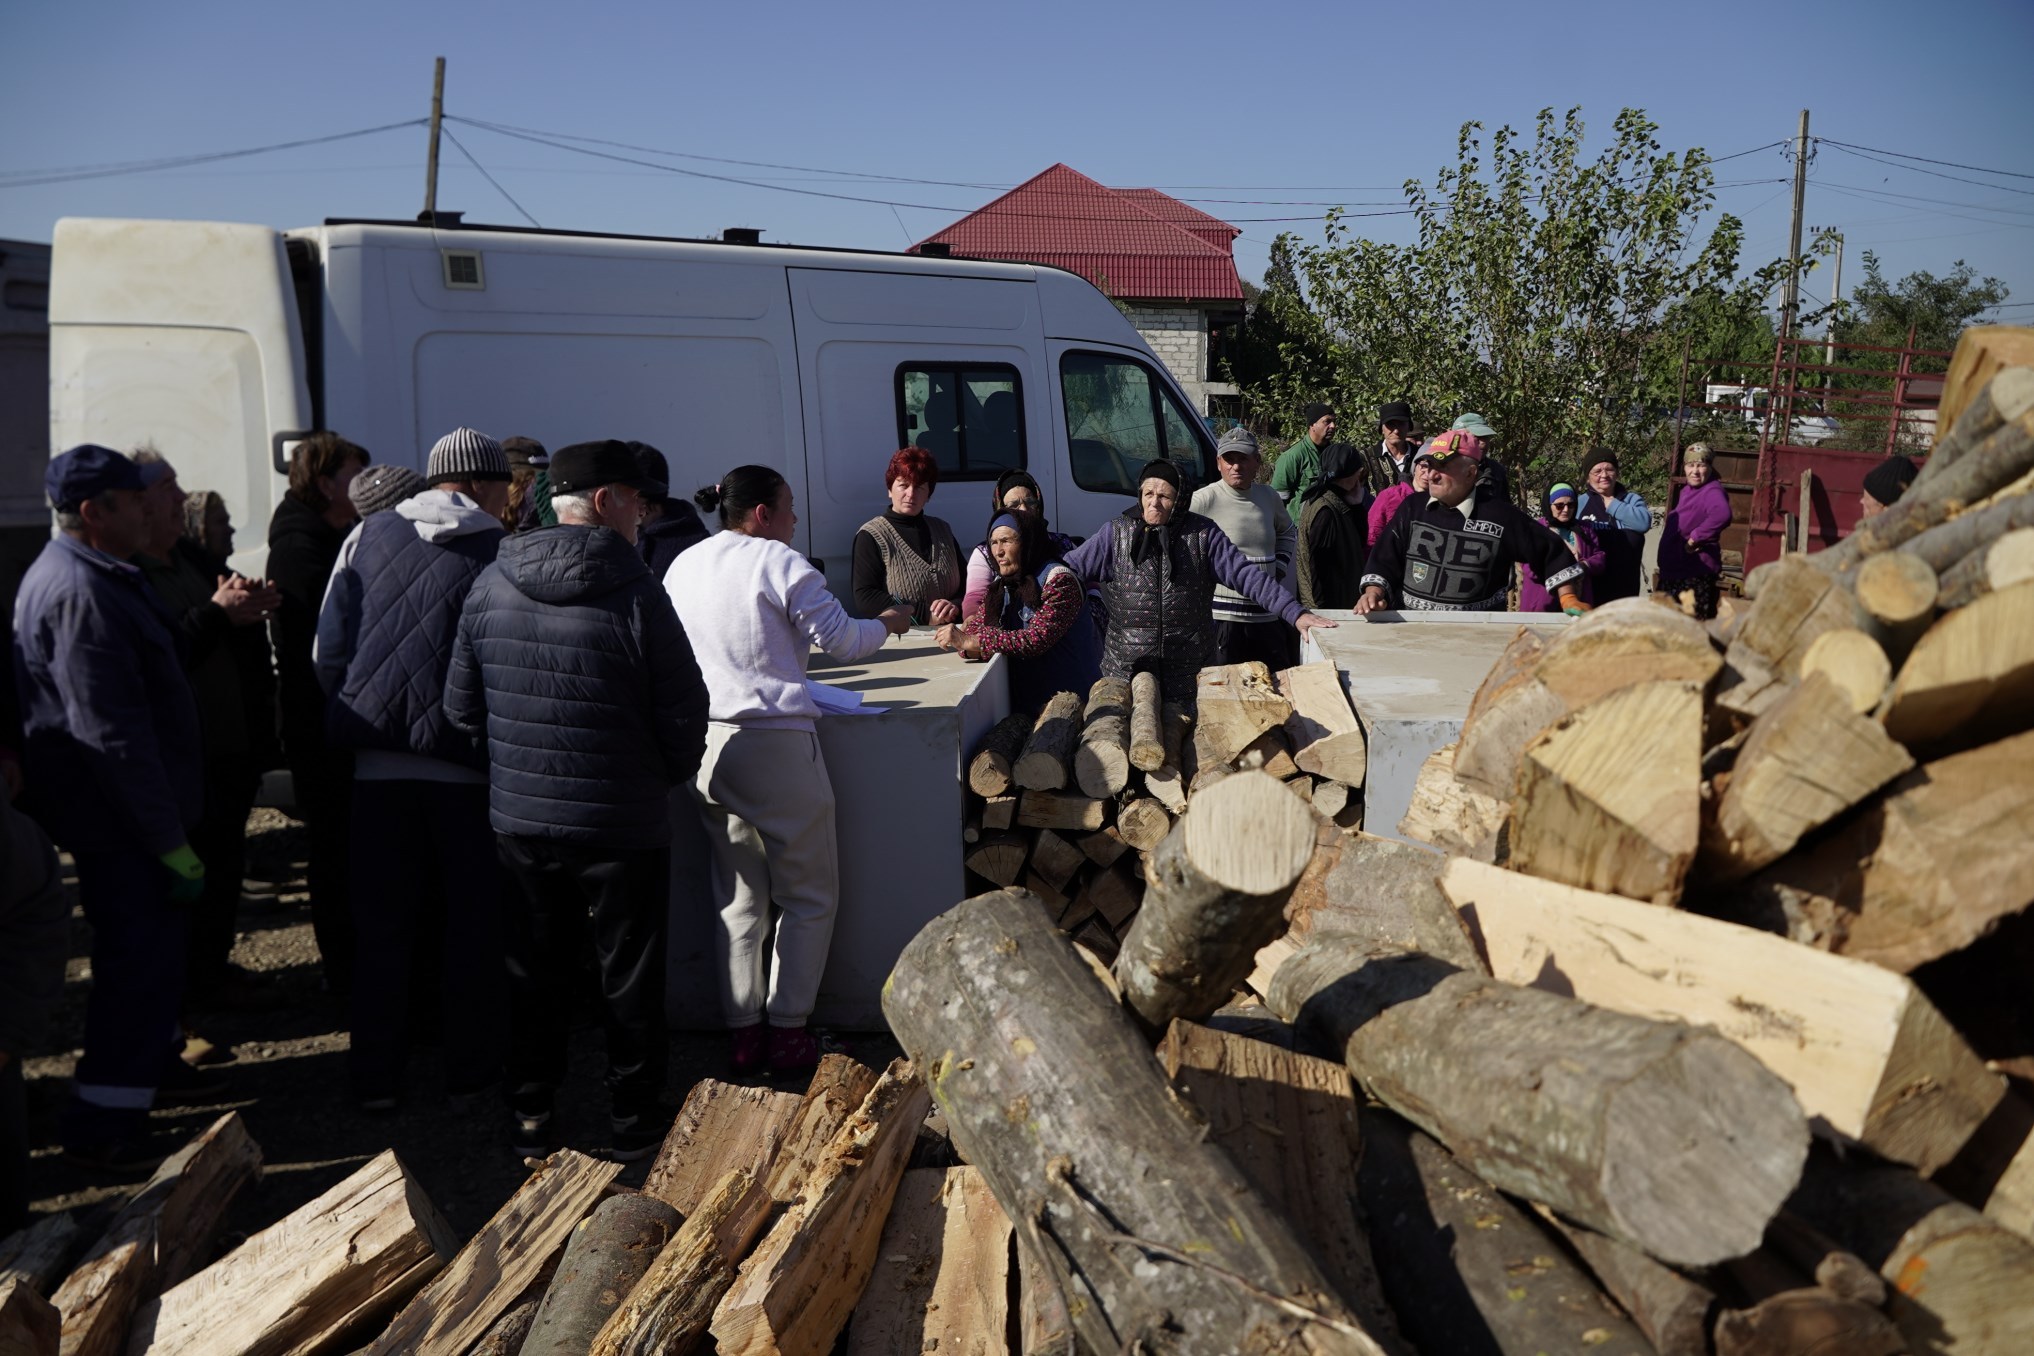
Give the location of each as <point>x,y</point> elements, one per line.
<point>1539,289</point>
<point>1284,357</point>
<point>1936,310</point>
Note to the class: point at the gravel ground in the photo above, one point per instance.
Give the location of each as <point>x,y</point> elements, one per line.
<point>289,1078</point>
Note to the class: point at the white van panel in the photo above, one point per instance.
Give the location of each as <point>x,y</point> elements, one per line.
<point>841,297</point>
<point>550,283</point>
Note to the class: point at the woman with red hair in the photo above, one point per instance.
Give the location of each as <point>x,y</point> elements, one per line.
<point>905,557</point>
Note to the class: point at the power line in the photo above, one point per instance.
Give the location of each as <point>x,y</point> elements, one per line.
<point>1717,160</point>
<point>1900,155</point>
<point>31,178</point>
<point>1847,192</point>
<point>1937,174</point>
<point>1915,197</point>
<point>489,177</point>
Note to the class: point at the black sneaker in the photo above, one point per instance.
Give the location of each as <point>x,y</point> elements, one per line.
<point>637,1138</point>
<point>184,1085</point>
<point>533,1136</point>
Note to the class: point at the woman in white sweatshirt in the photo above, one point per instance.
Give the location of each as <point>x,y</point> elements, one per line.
<point>753,608</point>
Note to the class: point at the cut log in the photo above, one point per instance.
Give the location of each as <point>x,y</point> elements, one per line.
<point>1047,761</point>
<point>1798,600</point>
<point>989,771</point>
<point>1448,813</point>
<point>1807,1321</point>
<point>1861,1046</point>
<point>40,1254</point>
<point>1114,894</point>
<point>181,1204</point>
<point>1214,893</point>
<point>2000,459</point>
<point>1102,761</point>
<point>1988,382</point>
<point>1143,824</point>
<point>1511,705</point>
<point>327,1270</point>
<point>1384,892</point>
<point>1059,1103</point>
<point>796,1291</point>
<point>498,1263</point>
<point>1329,798</point>
<point>1051,810</point>
<point>1943,547</point>
<point>1095,938</point>
<point>509,1332</point>
<point>1468,1271</point>
<point>1234,704</point>
<point>942,1278</point>
<point>1806,761</point>
<point>1000,856</point>
<point>1895,601</point>
<point>1147,737</point>
<point>1104,846</point>
<point>1609,797</point>
<point>720,1127</point>
<point>29,1324</point>
<point>839,1087</point>
<point>1672,1310</point>
<point>1055,901</point>
<point>1168,788</point>
<point>1301,786</point>
<point>1289,1122</point>
<point>604,1259</point>
<point>1970,678</point>
<point>1043,1326</point>
<point>1998,565</point>
<point>1557,1101</point>
<point>1326,738</point>
<point>1854,662</point>
<point>1899,885</point>
<point>999,812</point>
<point>668,1311</point>
<point>1269,753</point>
<point>971,826</point>
<point>1960,1281</point>
<point>1055,859</point>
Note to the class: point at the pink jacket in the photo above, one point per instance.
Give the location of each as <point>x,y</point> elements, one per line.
<point>1384,506</point>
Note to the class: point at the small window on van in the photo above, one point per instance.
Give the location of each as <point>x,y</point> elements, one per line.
<point>1120,416</point>
<point>969,417</point>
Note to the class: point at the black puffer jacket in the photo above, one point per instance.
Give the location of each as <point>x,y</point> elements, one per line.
<point>572,662</point>
<point>302,548</point>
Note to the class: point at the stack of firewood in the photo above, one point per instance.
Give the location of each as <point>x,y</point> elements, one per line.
<point>1070,802</point>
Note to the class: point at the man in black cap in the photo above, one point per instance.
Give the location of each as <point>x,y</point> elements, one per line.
<point>1884,484</point>
<point>114,773</point>
<point>572,664</point>
<point>669,525</point>
<point>1299,464</point>
<point>1391,461</point>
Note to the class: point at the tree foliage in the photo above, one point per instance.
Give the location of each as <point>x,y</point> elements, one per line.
<point>1546,291</point>
<point>1936,310</point>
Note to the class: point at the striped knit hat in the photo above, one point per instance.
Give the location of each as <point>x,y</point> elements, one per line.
<point>383,487</point>
<point>463,454</point>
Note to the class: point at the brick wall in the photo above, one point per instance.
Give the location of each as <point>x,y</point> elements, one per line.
<point>1179,336</point>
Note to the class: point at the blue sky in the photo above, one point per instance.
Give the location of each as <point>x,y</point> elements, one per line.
<point>1278,104</point>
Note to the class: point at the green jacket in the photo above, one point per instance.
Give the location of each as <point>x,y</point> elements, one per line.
<point>1296,468</point>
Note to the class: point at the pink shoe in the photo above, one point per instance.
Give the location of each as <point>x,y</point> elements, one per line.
<point>792,1047</point>
<point>745,1048</point>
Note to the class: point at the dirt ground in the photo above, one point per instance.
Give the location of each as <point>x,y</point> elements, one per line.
<point>289,1078</point>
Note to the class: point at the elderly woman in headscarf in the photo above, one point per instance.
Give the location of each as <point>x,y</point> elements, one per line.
<point>1034,612</point>
<point>1558,517</point>
<point>1334,536</point>
<point>1691,551</point>
<point>1016,492</point>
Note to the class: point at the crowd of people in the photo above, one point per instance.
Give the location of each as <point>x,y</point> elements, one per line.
<point>495,683</point>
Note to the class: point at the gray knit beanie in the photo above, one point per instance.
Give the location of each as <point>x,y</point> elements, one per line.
<point>383,487</point>
<point>463,454</point>
<point>1237,439</point>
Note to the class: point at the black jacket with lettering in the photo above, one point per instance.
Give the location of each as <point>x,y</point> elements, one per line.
<point>1434,558</point>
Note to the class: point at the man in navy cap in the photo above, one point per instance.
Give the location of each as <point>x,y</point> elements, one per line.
<point>112,764</point>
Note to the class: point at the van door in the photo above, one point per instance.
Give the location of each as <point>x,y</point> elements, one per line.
<point>1118,412</point>
<point>885,360</point>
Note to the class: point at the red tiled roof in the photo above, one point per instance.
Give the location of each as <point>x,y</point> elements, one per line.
<point>1126,242</point>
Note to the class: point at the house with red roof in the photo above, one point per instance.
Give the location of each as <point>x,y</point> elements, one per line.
<point>1168,265</point>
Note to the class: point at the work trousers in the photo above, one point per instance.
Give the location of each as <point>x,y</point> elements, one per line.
<point>559,899</point>
<point>427,900</point>
<point>1273,643</point>
<point>220,840</point>
<point>768,804</point>
<point>139,941</point>
<point>322,779</point>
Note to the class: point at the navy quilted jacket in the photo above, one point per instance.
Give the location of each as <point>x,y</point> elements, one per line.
<point>571,661</point>
<point>401,594</point>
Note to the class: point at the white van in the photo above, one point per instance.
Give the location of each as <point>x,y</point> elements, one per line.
<point>223,344</point>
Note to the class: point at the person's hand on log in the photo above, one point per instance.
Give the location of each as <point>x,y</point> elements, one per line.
<point>943,611</point>
<point>1572,604</point>
<point>1373,600</point>
<point>1309,620</point>
<point>896,620</point>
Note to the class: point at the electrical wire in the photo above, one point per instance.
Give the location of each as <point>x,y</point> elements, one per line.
<point>1937,174</point>
<point>490,178</point>
<point>1901,155</point>
<point>31,178</point>
<point>1937,203</point>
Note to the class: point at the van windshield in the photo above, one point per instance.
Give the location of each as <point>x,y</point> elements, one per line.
<point>1119,416</point>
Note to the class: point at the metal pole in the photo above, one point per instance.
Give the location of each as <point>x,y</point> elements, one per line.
<point>438,116</point>
<point>1792,308</point>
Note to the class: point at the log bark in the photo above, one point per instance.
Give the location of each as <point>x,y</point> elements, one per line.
<point>1970,679</point>
<point>1808,1321</point>
<point>1609,797</point>
<point>1289,1122</point>
<point>1896,594</point>
<point>1147,746</point>
<point>1452,815</point>
<point>41,1253</point>
<point>1469,1273</point>
<point>720,1127</point>
<point>327,1270</point>
<point>1383,892</point>
<point>1672,1310</point>
<point>29,1324</point>
<point>606,1257</point>
<point>1899,885</point>
<point>1557,1101</point>
<point>1997,565</point>
<point>1854,662</point>
<point>794,1294</point>
<point>1000,856</point>
<point>1234,704</point>
<point>498,1263</point>
<point>942,1278</point>
<point>1806,761</point>
<point>1046,763</point>
<point>1144,823</point>
<point>1988,383</point>
<point>1051,810</point>
<point>2000,459</point>
<point>1215,891</point>
<point>668,1311</point>
<point>839,1087</point>
<point>1059,1102</point>
<point>1942,547</point>
<point>1102,761</point>
<point>989,771</point>
<point>509,1332</point>
<point>1861,1047</point>
<point>1043,1325</point>
<point>1326,738</point>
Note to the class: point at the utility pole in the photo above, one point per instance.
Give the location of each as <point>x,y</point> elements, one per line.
<point>1835,294</point>
<point>1793,305</point>
<point>438,117</point>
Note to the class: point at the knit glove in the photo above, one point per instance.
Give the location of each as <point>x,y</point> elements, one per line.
<point>187,874</point>
<point>1572,604</point>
